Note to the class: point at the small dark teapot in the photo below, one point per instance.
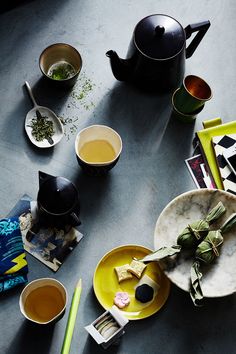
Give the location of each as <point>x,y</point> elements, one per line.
<point>157,52</point>
<point>58,201</point>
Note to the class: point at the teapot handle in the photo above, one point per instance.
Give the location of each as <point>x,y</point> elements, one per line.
<point>201,28</point>
<point>75,219</point>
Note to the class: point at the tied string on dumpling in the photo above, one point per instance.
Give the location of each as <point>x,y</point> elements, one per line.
<point>195,232</point>
<point>190,237</point>
<point>215,247</point>
<point>192,234</point>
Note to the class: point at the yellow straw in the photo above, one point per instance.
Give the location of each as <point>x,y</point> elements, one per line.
<point>71,318</point>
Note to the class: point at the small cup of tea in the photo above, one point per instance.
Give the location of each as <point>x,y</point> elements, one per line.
<point>43,301</point>
<point>60,63</point>
<point>98,148</point>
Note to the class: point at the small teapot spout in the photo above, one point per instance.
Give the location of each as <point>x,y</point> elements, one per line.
<point>121,68</point>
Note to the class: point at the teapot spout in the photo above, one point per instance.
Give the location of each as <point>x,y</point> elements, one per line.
<point>121,68</point>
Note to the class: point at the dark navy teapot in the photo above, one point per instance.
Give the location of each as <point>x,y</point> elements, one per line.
<point>58,201</point>
<point>157,52</point>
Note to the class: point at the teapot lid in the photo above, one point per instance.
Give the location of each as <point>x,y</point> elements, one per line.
<point>57,195</point>
<point>159,36</point>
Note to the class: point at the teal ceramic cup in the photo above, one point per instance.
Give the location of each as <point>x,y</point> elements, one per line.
<point>192,95</point>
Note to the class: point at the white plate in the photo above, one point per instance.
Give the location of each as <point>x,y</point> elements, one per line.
<point>57,126</point>
<point>219,279</point>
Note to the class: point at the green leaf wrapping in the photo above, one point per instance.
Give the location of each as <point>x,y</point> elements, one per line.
<point>194,233</point>
<point>229,223</point>
<point>195,285</point>
<point>215,213</point>
<point>161,253</point>
<point>208,249</point>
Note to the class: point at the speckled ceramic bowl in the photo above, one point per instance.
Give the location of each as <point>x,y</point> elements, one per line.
<point>219,278</point>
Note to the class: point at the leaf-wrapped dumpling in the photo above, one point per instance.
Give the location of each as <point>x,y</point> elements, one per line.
<point>208,249</point>
<point>192,234</point>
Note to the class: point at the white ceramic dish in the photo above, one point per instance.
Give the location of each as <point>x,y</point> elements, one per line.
<point>44,112</point>
<point>57,126</point>
<point>219,278</point>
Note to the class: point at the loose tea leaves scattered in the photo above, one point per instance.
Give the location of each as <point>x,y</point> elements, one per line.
<point>42,127</point>
<point>80,99</point>
<point>61,71</point>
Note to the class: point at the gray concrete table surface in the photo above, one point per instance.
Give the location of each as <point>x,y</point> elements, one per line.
<point>123,207</point>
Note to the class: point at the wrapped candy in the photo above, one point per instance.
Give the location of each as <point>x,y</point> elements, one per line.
<point>192,234</point>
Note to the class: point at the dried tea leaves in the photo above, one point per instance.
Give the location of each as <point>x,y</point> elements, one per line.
<point>42,127</point>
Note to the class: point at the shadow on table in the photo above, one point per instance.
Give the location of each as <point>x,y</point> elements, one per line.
<point>139,116</point>
<point>47,94</point>
<point>199,329</point>
<point>32,338</point>
<point>92,347</point>
<point>178,134</point>
<point>7,5</point>
<point>93,191</point>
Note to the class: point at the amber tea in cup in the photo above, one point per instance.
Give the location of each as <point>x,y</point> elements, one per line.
<point>98,148</point>
<point>97,151</point>
<point>43,301</point>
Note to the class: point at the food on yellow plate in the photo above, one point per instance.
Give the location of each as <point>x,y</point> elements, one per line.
<point>122,273</point>
<point>136,268</point>
<point>121,299</point>
<point>149,281</point>
<point>144,293</point>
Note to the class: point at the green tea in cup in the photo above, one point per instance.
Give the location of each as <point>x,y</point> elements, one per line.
<point>97,151</point>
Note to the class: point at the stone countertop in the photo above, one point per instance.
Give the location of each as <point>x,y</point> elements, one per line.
<point>123,207</point>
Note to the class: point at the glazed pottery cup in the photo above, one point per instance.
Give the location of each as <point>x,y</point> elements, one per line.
<point>95,133</point>
<point>43,301</point>
<point>192,95</point>
<point>184,117</point>
<point>56,53</point>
